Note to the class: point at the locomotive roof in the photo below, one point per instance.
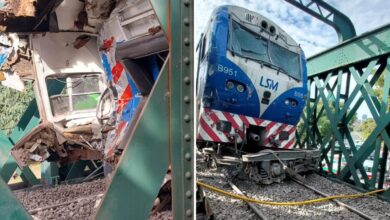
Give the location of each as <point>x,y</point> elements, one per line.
<point>254,21</point>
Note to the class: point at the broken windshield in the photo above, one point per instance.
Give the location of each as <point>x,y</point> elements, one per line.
<point>250,45</point>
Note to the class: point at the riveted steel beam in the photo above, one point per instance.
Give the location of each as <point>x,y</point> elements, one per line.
<point>164,132</point>
<point>182,118</point>
<point>329,15</point>
<point>144,162</point>
<point>363,48</point>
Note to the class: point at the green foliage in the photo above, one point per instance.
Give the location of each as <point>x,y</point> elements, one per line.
<point>323,122</point>
<point>369,125</point>
<point>366,128</point>
<point>12,105</point>
<point>379,87</point>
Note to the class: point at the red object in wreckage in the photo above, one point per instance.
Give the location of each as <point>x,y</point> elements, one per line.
<point>107,44</point>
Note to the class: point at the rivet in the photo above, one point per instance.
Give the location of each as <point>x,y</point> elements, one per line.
<point>187,118</point>
<point>189,212</point>
<point>187,99</point>
<point>187,80</point>
<point>186,60</point>
<point>187,137</point>
<point>186,3</point>
<point>188,175</point>
<point>187,156</point>
<point>189,194</point>
<point>186,41</point>
<point>186,21</point>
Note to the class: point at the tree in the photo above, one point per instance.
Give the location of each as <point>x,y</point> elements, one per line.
<point>369,125</point>
<point>323,122</point>
<point>13,104</point>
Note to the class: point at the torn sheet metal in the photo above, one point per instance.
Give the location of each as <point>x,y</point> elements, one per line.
<point>8,47</point>
<point>127,100</point>
<point>14,60</point>
<point>78,71</point>
<point>87,15</point>
<point>25,8</point>
<point>135,27</point>
<point>13,81</point>
<point>132,24</point>
<point>42,143</point>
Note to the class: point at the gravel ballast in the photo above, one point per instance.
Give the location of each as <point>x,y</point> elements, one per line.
<point>68,202</point>
<point>73,201</point>
<point>227,208</point>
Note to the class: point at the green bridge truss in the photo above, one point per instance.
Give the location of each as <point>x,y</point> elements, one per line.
<point>341,80</point>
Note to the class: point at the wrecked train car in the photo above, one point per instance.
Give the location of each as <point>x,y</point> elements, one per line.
<point>93,64</point>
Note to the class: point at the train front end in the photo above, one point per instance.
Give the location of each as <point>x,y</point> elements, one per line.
<point>252,87</point>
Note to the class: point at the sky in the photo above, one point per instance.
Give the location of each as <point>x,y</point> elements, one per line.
<point>313,35</point>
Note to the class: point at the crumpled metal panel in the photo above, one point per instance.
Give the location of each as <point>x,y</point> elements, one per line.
<point>144,162</point>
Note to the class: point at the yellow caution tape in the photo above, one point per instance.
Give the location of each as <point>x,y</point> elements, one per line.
<point>306,202</point>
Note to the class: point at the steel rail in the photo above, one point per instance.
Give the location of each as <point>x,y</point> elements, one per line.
<point>254,208</point>
<point>35,211</point>
<point>338,202</point>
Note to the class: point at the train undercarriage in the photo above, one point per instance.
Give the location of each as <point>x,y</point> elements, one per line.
<point>266,166</point>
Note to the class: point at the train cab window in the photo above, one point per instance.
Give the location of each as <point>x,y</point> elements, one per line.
<point>79,93</point>
<point>203,49</point>
<point>248,44</point>
<point>285,59</point>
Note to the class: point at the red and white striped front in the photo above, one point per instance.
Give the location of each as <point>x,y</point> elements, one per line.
<point>207,129</point>
<point>125,94</point>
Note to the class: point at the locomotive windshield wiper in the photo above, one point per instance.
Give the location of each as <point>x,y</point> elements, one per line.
<point>275,67</point>
<point>251,51</point>
<point>262,62</point>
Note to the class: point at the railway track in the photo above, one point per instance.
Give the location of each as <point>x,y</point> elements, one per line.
<point>68,202</point>
<point>252,206</point>
<point>338,202</point>
<point>289,191</point>
<point>74,201</point>
<point>262,216</point>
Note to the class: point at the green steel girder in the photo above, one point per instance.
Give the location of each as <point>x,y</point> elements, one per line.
<point>182,108</point>
<point>49,173</point>
<point>164,132</point>
<point>5,146</point>
<point>328,14</point>
<point>29,120</point>
<point>10,207</point>
<point>161,8</point>
<point>77,170</point>
<point>365,47</point>
<point>144,162</point>
<point>354,66</point>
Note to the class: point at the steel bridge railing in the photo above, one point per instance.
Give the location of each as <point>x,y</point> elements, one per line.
<point>341,81</point>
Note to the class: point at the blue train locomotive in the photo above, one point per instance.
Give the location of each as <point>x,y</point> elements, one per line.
<point>251,87</point>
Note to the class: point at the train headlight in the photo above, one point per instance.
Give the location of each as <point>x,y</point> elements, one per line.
<point>240,88</point>
<point>229,85</point>
<point>293,103</point>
